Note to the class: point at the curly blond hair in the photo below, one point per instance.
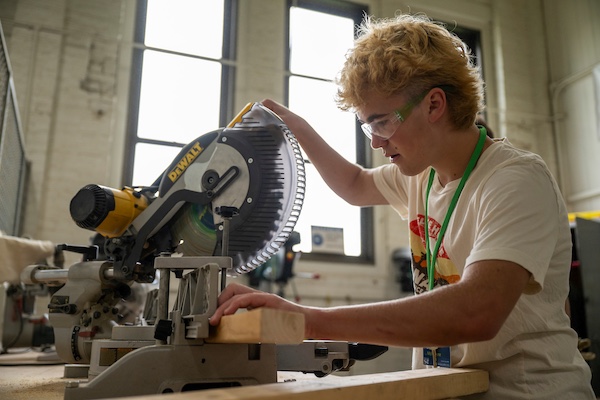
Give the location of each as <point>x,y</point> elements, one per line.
<point>411,54</point>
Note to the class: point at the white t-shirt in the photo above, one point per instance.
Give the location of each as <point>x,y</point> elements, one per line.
<point>510,209</point>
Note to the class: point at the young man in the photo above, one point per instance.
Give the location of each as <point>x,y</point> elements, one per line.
<point>489,232</point>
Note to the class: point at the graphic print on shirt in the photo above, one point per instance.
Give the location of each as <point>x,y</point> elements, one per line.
<point>445,271</point>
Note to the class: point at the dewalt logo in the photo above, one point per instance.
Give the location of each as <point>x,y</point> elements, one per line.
<point>185,162</point>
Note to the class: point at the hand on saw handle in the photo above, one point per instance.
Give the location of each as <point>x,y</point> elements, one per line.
<point>294,122</point>
<point>236,296</point>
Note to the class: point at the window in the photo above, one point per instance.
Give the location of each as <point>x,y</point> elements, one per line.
<point>320,33</point>
<point>182,87</point>
<point>178,91</point>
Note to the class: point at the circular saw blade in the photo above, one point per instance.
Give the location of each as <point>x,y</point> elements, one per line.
<point>195,227</point>
<point>272,198</point>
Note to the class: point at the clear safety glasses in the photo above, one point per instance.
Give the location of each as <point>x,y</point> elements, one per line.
<point>385,127</point>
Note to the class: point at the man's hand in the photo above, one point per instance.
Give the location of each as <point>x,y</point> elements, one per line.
<point>236,296</point>
<point>299,127</point>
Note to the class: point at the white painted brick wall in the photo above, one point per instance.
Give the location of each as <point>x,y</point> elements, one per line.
<point>65,58</point>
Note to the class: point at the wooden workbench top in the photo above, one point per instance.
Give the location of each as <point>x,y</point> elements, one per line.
<point>22,379</point>
<point>29,375</point>
<point>425,384</point>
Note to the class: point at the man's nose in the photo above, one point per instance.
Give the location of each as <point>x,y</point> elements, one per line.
<point>377,142</point>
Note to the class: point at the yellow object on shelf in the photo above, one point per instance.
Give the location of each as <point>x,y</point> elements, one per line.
<point>584,214</point>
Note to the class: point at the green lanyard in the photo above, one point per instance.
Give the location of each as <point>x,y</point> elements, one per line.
<point>432,258</point>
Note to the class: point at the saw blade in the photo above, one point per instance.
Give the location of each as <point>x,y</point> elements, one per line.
<point>269,203</point>
<point>277,187</point>
<point>195,228</point>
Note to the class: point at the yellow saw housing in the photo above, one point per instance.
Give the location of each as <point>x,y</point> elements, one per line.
<point>106,210</point>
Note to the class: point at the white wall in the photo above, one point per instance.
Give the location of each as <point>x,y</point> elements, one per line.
<point>573,32</point>
<point>71,60</point>
<point>71,64</point>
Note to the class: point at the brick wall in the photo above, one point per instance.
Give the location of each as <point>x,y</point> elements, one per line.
<point>65,55</point>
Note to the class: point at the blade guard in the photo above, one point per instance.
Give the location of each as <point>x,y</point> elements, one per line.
<point>276,188</point>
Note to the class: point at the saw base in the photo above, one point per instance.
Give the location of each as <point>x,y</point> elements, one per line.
<point>159,369</point>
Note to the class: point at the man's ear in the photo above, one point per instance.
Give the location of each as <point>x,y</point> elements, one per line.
<point>437,104</point>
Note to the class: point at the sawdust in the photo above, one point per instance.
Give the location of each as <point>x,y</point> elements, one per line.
<point>32,388</point>
<point>24,377</point>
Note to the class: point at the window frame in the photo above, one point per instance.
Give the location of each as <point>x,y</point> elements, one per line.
<point>363,150</point>
<point>228,69</point>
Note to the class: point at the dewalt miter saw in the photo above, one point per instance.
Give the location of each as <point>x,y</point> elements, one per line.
<point>225,205</point>
<point>249,176</point>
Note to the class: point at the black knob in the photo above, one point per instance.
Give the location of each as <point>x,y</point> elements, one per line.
<point>90,206</point>
<point>163,329</point>
<point>227,211</point>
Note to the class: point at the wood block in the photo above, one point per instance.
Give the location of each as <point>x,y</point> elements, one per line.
<point>261,325</point>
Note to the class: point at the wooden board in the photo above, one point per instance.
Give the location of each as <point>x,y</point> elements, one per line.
<point>262,325</point>
<point>425,384</point>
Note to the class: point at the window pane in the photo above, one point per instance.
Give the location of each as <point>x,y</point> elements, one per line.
<point>150,161</point>
<point>186,26</point>
<point>314,100</point>
<point>180,97</point>
<point>322,207</point>
<point>318,42</point>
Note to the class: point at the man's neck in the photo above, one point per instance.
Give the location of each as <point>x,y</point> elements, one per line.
<point>460,148</point>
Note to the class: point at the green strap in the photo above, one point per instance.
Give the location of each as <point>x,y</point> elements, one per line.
<point>432,258</point>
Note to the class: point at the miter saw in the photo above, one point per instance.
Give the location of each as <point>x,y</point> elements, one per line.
<point>224,206</point>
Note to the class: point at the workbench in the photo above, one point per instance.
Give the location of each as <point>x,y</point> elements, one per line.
<point>28,376</point>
